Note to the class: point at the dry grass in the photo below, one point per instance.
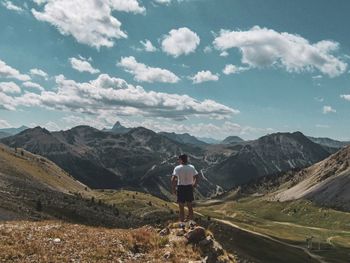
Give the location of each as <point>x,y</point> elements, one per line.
<point>55,241</point>
<point>39,168</point>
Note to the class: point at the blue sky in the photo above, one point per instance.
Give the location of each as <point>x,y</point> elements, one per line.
<point>210,68</point>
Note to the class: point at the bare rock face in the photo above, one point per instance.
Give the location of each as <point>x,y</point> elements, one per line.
<point>326,183</point>
<point>196,235</point>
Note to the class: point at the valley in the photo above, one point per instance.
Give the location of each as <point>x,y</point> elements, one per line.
<point>252,220</point>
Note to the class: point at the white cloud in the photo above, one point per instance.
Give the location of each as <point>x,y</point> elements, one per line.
<point>148,46</point>
<point>224,54</point>
<point>323,126</point>
<point>207,50</point>
<point>131,6</point>
<point>328,109</point>
<point>29,84</point>
<point>218,131</point>
<point>144,73</point>
<point>51,126</point>
<point>8,72</point>
<point>40,2</point>
<point>180,41</point>
<point>203,76</point>
<point>345,97</point>
<point>7,102</point>
<point>88,21</point>
<point>82,65</point>
<point>164,2</point>
<point>116,97</point>
<point>9,87</point>
<point>11,6</point>
<point>319,99</point>
<point>262,47</point>
<point>4,124</point>
<point>38,72</point>
<point>232,69</point>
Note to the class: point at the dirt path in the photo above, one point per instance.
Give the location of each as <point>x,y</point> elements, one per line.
<point>310,227</point>
<point>314,256</point>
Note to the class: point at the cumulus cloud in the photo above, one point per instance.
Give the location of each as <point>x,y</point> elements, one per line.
<point>328,109</point>
<point>180,41</point>
<point>8,72</point>
<point>232,69</point>
<point>40,2</point>
<point>164,2</point>
<point>144,73</point>
<point>9,87</point>
<point>224,54</point>
<point>11,6</point>
<point>29,84</point>
<point>345,97</point>
<point>203,76</point>
<point>148,46</point>
<point>207,49</point>
<point>218,131</point>
<point>88,21</point>
<point>4,124</point>
<point>117,97</point>
<point>51,126</point>
<point>82,65</point>
<point>7,102</point>
<point>262,47</point>
<point>38,72</point>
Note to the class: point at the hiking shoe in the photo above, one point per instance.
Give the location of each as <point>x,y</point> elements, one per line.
<point>182,225</point>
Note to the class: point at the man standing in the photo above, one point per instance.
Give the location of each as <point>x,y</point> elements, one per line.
<point>185,177</point>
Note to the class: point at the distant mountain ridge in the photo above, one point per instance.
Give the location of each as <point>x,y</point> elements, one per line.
<point>139,159</point>
<point>328,142</point>
<point>118,128</point>
<point>143,160</point>
<point>11,131</point>
<point>184,138</point>
<point>232,139</point>
<point>270,154</point>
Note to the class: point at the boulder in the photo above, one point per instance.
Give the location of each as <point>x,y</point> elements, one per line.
<point>196,235</point>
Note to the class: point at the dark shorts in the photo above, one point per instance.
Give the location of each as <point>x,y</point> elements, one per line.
<point>184,193</point>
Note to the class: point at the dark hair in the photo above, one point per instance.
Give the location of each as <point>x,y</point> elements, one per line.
<point>183,158</point>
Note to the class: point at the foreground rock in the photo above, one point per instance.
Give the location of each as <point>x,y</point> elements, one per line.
<point>200,240</point>
<point>55,241</point>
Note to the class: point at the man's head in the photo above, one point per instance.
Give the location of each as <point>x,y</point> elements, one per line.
<point>183,159</point>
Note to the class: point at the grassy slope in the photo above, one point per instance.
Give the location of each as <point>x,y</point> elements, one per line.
<point>26,178</point>
<point>141,205</point>
<point>38,168</point>
<point>55,241</point>
<point>292,222</point>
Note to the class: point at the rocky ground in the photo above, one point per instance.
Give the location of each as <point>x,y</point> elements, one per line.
<point>56,241</point>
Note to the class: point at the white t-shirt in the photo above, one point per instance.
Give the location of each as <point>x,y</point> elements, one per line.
<point>185,174</point>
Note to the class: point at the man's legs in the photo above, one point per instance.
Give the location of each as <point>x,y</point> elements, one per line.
<point>190,210</point>
<point>182,212</point>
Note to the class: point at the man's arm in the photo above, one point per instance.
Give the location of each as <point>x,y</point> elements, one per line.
<point>173,184</point>
<point>195,180</point>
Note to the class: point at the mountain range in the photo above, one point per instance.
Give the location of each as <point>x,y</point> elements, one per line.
<point>6,132</point>
<point>141,159</point>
